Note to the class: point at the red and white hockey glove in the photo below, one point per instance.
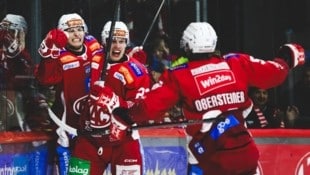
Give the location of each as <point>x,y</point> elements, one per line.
<point>135,50</point>
<point>106,98</point>
<point>102,102</point>
<point>120,124</point>
<point>138,53</point>
<point>56,37</point>
<point>53,42</point>
<point>293,54</point>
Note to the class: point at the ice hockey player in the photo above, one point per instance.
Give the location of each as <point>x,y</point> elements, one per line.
<point>16,67</point>
<point>130,80</point>
<point>209,86</point>
<point>68,55</point>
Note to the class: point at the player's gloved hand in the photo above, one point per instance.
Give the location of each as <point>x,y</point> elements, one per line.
<point>53,42</point>
<point>138,53</point>
<point>102,102</point>
<point>63,139</point>
<point>135,50</point>
<point>293,54</point>
<point>120,124</point>
<point>104,97</point>
<point>56,37</point>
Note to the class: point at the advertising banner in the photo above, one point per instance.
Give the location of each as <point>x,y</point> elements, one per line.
<point>283,151</point>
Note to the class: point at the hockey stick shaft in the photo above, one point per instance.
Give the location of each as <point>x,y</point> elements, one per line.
<point>153,22</point>
<point>174,124</point>
<point>109,43</point>
<point>76,132</point>
<point>151,126</point>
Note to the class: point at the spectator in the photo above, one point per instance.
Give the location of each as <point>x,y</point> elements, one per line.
<point>16,67</point>
<point>17,89</point>
<point>302,96</point>
<point>264,114</point>
<point>302,93</point>
<point>292,118</point>
<point>158,71</point>
<point>160,51</point>
<point>159,74</point>
<point>161,60</point>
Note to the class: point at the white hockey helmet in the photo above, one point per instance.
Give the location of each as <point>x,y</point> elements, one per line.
<point>199,37</point>
<point>120,31</point>
<point>71,20</point>
<point>14,22</point>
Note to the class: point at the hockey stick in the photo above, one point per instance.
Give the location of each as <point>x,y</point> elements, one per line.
<point>173,124</point>
<point>109,43</point>
<point>151,126</point>
<point>208,117</point>
<point>62,123</point>
<point>76,132</point>
<point>152,24</point>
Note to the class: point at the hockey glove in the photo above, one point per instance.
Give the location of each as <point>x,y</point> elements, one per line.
<point>120,124</point>
<point>293,54</point>
<point>105,97</point>
<point>57,37</point>
<point>138,53</point>
<point>102,102</point>
<point>53,42</point>
<point>135,50</point>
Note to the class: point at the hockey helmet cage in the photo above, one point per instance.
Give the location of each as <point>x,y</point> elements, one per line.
<point>14,22</point>
<point>120,31</point>
<point>199,37</point>
<point>71,20</point>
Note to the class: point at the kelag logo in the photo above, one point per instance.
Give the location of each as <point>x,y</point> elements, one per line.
<point>303,166</point>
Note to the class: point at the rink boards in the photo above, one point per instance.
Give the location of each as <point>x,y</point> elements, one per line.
<point>283,151</point>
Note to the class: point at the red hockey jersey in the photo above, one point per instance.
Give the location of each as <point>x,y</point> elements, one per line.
<point>72,74</point>
<point>129,79</point>
<point>211,84</point>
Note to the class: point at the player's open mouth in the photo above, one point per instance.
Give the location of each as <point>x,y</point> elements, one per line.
<point>116,53</point>
<point>76,40</point>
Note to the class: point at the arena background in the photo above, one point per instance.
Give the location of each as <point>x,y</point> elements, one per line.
<point>257,27</point>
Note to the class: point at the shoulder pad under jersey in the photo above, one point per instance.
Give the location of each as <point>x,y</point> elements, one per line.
<point>89,38</point>
<point>231,55</point>
<point>179,63</point>
<point>92,43</point>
